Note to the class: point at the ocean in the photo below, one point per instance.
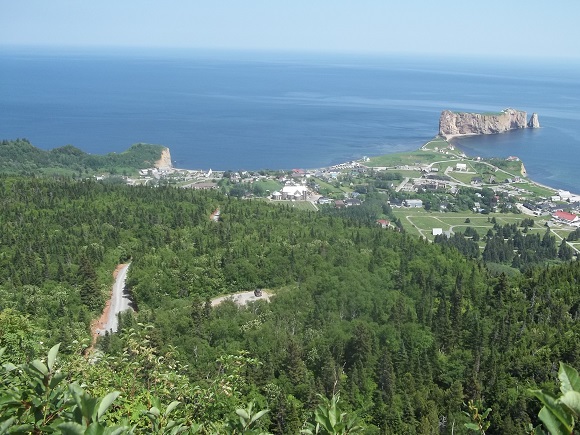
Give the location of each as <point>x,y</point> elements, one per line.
<point>259,110</point>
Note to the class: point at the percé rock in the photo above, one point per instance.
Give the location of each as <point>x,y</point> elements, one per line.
<point>164,161</point>
<point>460,123</point>
<point>534,121</point>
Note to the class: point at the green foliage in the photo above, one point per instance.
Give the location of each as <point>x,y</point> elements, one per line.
<point>40,398</point>
<point>36,398</point>
<point>559,414</point>
<point>479,422</point>
<point>404,330</point>
<point>329,419</point>
<point>19,155</point>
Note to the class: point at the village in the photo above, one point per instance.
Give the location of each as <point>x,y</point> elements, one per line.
<point>444,182</point>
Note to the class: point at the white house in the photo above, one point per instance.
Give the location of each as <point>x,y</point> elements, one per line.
<point>294,192</point>
<point>564,194</point>
<point>461,167</point>
<point>414,203</point>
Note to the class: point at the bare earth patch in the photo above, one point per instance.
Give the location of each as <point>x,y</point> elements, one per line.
<point>242,298</point>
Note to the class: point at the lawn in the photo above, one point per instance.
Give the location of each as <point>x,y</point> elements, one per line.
<point>535,189</point>
<point>437,143</point>
<point>410,158</point>
<point>269,185</point>
<point>303,205</point>
<point>422,222</point>
<point>300,205</point>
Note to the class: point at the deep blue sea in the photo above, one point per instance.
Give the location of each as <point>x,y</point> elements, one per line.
<point>249,110</point>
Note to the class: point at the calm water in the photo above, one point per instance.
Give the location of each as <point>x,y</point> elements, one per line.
<point>258,110</point>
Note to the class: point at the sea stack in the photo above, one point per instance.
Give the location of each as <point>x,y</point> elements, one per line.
<point>534,122</point>
<point>461,123</point>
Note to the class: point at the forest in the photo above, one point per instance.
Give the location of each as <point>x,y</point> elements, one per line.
<point>512,245</point>
<point>21,157</point>
<point>368,328</point>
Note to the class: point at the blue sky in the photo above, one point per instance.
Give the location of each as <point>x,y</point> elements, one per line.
<point>536,28</point>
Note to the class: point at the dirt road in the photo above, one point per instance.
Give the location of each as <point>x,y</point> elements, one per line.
<point>118,303</point>
<point>241,298</point>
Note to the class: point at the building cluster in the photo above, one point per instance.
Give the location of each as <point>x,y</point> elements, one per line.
<point>563,207</point>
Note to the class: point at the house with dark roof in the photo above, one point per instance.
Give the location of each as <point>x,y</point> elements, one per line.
<point>351,202</point>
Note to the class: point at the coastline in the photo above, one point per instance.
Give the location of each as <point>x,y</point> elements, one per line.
<point>446,138</point>
<point>450,137</point>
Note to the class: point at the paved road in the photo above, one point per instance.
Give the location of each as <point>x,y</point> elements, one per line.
<point>400,186</point>
<point>119,300</point>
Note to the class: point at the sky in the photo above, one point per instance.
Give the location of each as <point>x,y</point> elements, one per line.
<point>525,28</point>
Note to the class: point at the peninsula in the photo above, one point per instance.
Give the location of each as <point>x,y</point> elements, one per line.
<point>20,156</point>
<point>452,124</point>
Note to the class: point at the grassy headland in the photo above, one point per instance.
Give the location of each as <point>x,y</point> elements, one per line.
<point>21,157</point>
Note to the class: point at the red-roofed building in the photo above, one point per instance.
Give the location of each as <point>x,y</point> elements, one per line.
<point>383,223</point>
<point>564,216</point>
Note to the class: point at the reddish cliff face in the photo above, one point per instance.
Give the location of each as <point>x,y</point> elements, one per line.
<point>458,123</point>
<point>164,161</point>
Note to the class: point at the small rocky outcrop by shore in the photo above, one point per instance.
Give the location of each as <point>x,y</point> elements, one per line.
<point>462,123</point>
<point>534,121</point>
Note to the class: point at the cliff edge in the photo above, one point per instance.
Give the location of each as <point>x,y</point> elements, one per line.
<point>461,123</point>
<point>164,161</point>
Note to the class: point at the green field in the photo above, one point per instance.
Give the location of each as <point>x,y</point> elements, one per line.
<point>410,158</point>
<point>535,189</point>
<point>421,222</point>
<point>269,185</point>
<point>300,205</point>
<point>437,143</point>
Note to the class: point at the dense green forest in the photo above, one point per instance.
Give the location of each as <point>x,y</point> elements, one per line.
<point>511,245</point>
<point>21,157</point>
<point>406,333</point>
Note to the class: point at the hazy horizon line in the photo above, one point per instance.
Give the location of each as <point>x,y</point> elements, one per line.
<point>78,49</point>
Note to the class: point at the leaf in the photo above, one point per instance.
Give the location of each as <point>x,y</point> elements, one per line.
<point>52,353</point>
<point>154,411</point>
<point>171,407</point>
<point>40,367</point>
<point>553,414</point>
<point>572,400</point>
<point>77,393</point>
<point>243,413</point>
<point>9,367</point>
<point>323,420</point>
<point>56,379</point>
<point>117,430</point>
<point>106,402</point>
<point>569,379</point>
<point>471,426</point>
<point>71,428</point>
<point>257,415</point>
<point>95,428</point>
<point>6,424</point>
<point>22,429</point>
<point>89,407</point>
<point>552,423</point>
